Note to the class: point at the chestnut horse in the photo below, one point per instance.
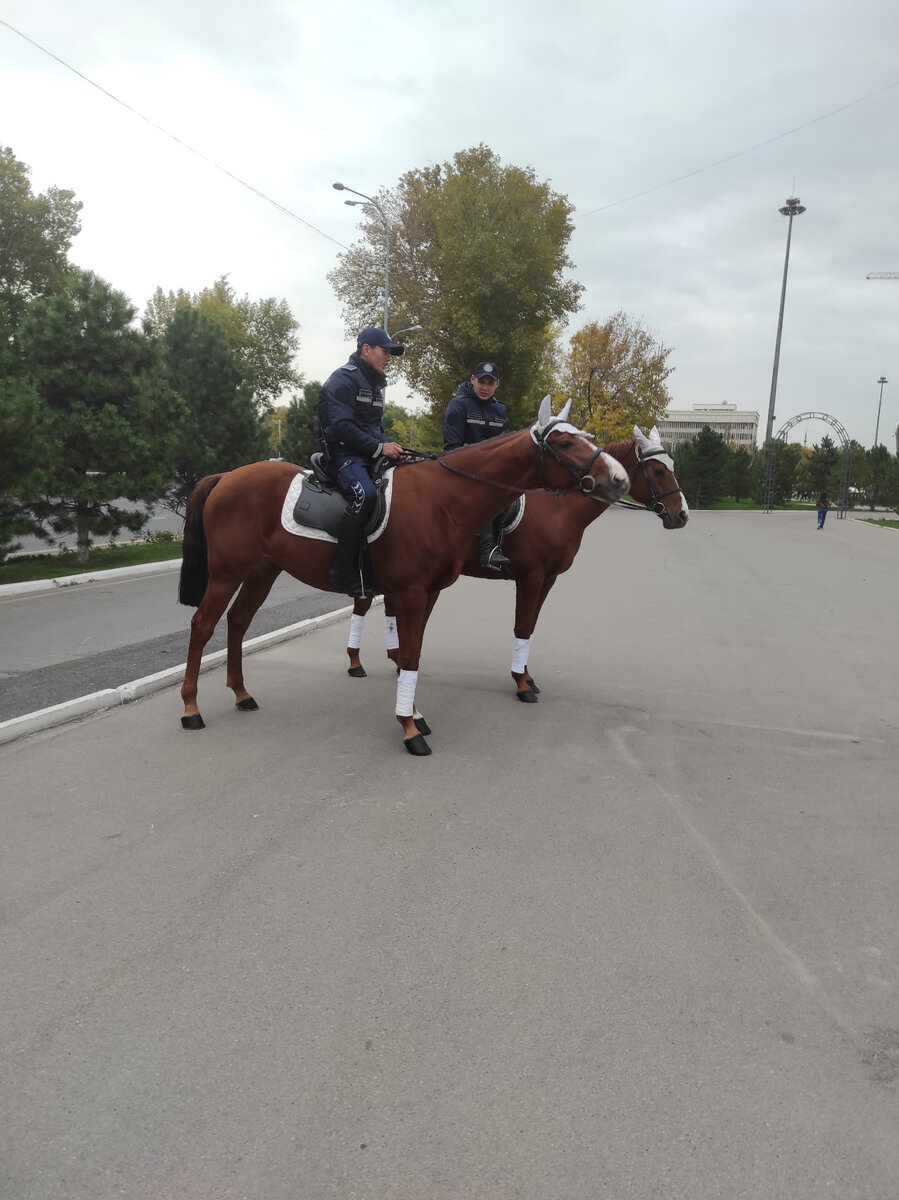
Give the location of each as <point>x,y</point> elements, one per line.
<point>233,539</point>
<point>544,544</point>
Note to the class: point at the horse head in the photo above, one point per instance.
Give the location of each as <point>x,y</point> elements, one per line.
<point>655,484</point>
<point>575,451</point>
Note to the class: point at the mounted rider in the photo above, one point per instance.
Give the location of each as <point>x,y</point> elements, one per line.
<point>350,415</point>
<point>473,415</point>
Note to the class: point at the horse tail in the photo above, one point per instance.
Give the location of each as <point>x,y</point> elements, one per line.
<point>194,559</point>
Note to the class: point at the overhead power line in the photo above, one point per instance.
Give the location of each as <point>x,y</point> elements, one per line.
<point>224,170</point>
<point>739,154</point>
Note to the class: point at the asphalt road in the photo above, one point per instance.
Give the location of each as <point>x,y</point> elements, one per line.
<point>639,940</point>
<point>59,644</point>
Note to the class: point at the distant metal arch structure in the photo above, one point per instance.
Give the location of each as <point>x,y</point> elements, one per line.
<point>781,436</point>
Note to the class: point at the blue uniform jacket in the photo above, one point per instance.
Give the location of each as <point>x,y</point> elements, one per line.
<point>468,419</point>
<point>350,410</point>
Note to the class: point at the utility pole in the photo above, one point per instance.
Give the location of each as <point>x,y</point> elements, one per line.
<point>791,209</point>
<point>881,381</point>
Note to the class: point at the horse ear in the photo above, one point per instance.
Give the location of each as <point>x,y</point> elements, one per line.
<point>640,438</point>
<point>563,415</point>
<point>654,435</point>
<point>545,411</point>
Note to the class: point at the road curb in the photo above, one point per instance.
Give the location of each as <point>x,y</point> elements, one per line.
<point>62,581</point>
<point>126,693</point>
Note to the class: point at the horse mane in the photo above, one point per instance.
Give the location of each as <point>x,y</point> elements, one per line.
<point>622,450</point>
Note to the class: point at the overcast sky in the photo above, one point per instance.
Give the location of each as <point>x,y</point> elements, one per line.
<point>677,130</point>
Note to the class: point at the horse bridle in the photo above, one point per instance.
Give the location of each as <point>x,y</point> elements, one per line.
<point>654,503</point>
<point>586,483</point>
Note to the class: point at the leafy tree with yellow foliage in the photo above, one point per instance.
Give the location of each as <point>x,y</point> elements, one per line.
<point>615,374</point>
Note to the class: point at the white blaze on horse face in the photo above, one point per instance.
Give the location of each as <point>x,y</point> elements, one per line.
<point>617,473</point>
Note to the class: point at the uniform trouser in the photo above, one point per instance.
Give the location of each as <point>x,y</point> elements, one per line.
<point>353,477</point>
<point>351,570</point>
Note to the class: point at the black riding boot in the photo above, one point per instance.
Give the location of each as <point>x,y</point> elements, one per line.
<point>351,572</point>
<point>491,554</point>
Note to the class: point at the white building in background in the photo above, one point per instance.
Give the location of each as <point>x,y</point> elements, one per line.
<point>738,428</point>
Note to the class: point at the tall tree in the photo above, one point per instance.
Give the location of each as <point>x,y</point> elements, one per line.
<point>299,438</point>
<point>738,480</point>
<point>880,460</point>
<point>113,418</point>
<point>479,258</point>
<point>36,233</point>
<point>221,428</point>
<point>825,466</point>
<point>615,373</point>
<point>263,334</point>
<point>787,458</point>
<point>701,467</point>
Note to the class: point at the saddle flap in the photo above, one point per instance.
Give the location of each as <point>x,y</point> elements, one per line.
<point>314,507</point>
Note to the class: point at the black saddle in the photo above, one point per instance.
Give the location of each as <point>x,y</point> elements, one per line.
<point>511,515</point>
<point>321,504</point>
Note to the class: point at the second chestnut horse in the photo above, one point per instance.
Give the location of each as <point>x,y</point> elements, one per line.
<point>544,543</point>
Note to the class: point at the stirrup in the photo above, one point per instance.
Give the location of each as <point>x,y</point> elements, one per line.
<point>495,559</point>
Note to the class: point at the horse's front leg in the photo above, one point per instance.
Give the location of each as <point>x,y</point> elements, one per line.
<point>530,592</point>
<point>250,599</point>
<point>357,623</point>
<point>391,636</point>
<point>412,611</point>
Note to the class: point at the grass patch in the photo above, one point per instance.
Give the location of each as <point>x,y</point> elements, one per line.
<point>883,522</point>
<point>57,566</point>
<point>728,505</point>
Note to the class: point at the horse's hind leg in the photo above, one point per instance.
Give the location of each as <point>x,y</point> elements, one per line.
<point>253,591</point>
<point>203,623</point>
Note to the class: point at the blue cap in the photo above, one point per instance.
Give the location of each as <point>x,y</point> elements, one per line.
<point>375,336</point>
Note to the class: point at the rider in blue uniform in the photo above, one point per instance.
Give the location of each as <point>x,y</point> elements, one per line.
<point>473,415</point>
<point>350,413</point>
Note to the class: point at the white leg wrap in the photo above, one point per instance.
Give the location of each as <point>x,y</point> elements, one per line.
<point>391,636</point>
<point>355,639</point>
<point>520,654</point>
<point>405,693</point>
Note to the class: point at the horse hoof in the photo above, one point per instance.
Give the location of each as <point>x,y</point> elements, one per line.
<point>417,746</point>
<point>248,705</point>
<point>357,672</point>
<point>194,722</point>
<point>533,687</point>
<point>422,726</point>
<point>527,697</point>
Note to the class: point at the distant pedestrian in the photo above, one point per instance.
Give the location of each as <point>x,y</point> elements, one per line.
<point>823,506</point>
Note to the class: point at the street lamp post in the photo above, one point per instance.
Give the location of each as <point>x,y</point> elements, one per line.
<point>341,187</point>
<point>881,381</point>
<point>791,209</point>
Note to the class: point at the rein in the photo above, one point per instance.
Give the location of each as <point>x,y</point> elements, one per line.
<point>585,485</point>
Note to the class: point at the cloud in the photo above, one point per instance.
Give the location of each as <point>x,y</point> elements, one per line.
<point>687,126</point>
